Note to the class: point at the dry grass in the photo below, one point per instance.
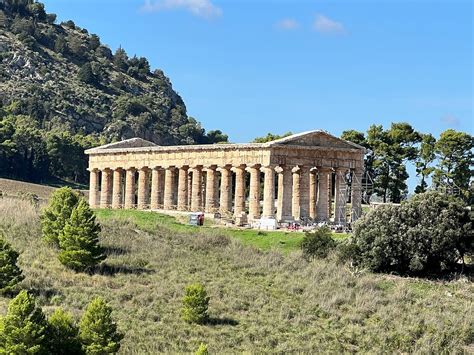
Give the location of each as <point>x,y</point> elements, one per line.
<point>13,187</point>
<point>260,301</point>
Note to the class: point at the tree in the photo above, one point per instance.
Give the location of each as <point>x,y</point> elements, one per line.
<point>97,330</point>
<point>58,211</point>
<point>23,329</point>
<point>455,159</point>
<point>10,273</point>
<point>429,233</point>
<point>79,240</point>
<point>202,350</point>
<point>317,244</point>
<point>87,75</point>
<point>195,304</point>
<point>94,42</point>
<point>63,334</point>
<point>121,59</point>
<point>271,137</point>
<point>424,160</point>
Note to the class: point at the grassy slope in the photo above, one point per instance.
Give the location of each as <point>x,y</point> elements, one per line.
<point>260,301</point>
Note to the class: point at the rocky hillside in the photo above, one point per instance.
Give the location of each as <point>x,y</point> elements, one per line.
<point>64,77</point>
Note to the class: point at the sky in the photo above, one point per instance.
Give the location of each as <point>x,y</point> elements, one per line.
<point>250,67</point>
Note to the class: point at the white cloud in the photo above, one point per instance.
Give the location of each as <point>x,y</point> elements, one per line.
<point>326,25</point>
<point>287,24</point>
<point>450,120</point>
<point>200,8</point>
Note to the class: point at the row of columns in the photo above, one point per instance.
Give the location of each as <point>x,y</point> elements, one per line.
<point>303,192</point>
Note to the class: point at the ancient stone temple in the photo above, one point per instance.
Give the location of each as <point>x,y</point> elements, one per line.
<point>307,176</point>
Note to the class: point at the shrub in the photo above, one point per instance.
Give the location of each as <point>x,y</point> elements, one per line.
<point>63,334</point>
<point>97,330</point>
<point>202,350</point>
<point>58,211</point>
<point>79,240</point>
<point>23,329</point>
<point>317,244</point>
<point>10,273</point>
<point>195,304</point>
<point>429,233</point>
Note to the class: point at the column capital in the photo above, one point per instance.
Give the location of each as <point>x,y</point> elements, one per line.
<point>106,169</point>
<point>196,167</point>
<point>253,166</point>
<point>157,167</point>
<point>324,169</point>
<point>211,167</point>
<point>238,167</point>
<point>183,167</point>
<point>144,168</point>
<point>93,170</point>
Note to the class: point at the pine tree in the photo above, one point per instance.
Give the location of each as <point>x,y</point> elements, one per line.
<point>97,330</point>
<point>23,329</point>
<point>10,273</point>
<point>63,334</point>
<point>54,217</point>
<point>195,304</point>
<point>86,74</point>
<point>79,240</point>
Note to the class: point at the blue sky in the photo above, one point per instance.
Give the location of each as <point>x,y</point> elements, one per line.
<point>252,67</point>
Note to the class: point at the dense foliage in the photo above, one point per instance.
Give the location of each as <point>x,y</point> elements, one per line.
<point>55,216</point>
<point>10,273</point>
<point>63,334</point>
<point>195,304</point>
<point>63,91</point>
<point>23,329</point>
<point>97,330</point>
<point>429,233</point>
<point>79,239</point>
<point>317,244</point>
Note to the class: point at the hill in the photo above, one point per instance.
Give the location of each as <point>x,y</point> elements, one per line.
<point>63,82</point>
<point>261,302</point>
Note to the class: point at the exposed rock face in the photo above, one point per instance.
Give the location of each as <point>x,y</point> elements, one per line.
<point>40,63</point>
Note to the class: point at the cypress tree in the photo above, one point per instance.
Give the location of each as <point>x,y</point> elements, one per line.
<point>195,304</point>
<point>97,330</point>
<point>63,334</point>
<point>10,273</point>
<point>79,240</point>
<point>58,211</point>
<point>23,329</point>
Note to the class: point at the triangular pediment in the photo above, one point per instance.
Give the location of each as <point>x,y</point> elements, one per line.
<point>128,143</point>
<point>316,139</point>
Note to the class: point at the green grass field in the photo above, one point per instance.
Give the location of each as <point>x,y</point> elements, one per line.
<point>265,240</point>
<point>260,301</point>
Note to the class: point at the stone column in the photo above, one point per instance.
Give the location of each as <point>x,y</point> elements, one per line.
<point>340,203</point>
<point>196,200</point>
<point>105,189</point>
<point>304,192</point>
<point>295,207</point>
<point>168,195</point>
<point>117,189</point>
<point>226,190</point>
<point>211,191</point>
<point>330,194</point>
<point>313,193</point>
<point>143,177</point>
<point>130,188</point>
<point>183,188</point>
<point>94,188</point>
<point>156,184</point>
<point>322,204</point>
<point>285,182</point>
<point>254,193</point>
<point>239,202</point>
<point>269,192</point>
<point>356,197</point>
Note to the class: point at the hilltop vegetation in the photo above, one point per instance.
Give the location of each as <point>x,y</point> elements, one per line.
<point>62,91</point>
<point>259,301</point>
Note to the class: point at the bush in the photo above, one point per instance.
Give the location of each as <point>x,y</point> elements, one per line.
<point>317,244</point>
<point>79,240</point>
<point>23,329</point>
<point>58,211</point>
<point>63,334</point>
<point>98,332</point>
<point>195,304</point>
<point>10,273</point>
<point>202,350</point>
<point>429,233</point>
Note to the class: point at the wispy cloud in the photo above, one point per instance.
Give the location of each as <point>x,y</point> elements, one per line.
<point>450,120</point>
<point>200,8</point>
<point>326,25</point>
<point>287,24</point>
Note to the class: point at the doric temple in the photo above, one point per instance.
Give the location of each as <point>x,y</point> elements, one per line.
<point>302,176</point>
